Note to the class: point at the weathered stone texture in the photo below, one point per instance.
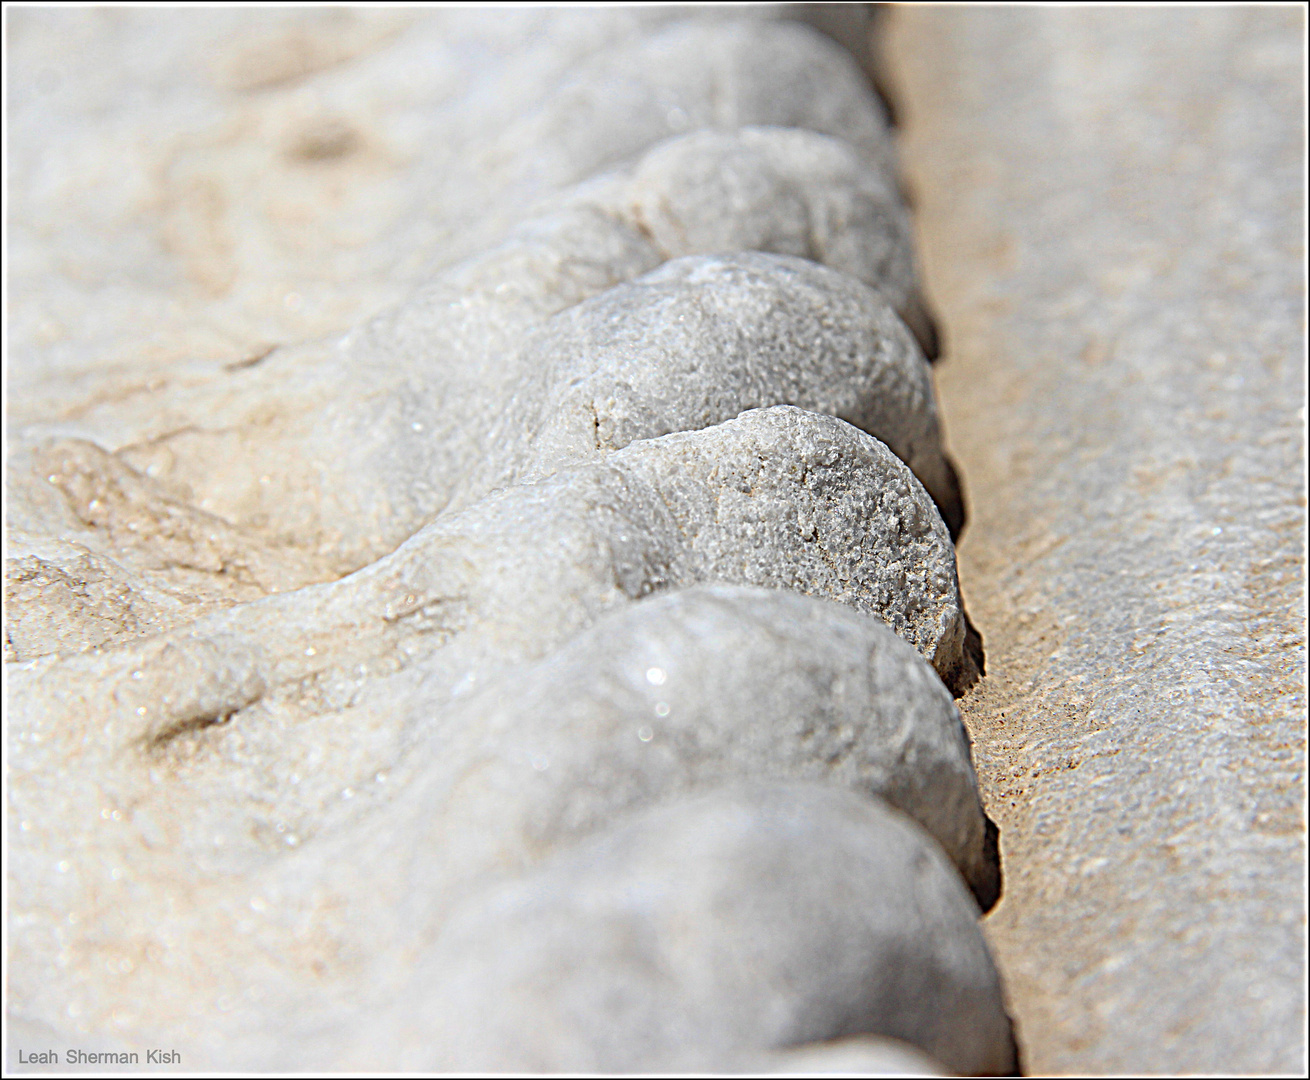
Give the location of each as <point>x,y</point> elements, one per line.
<point>802,947</point>
<point>1112,211</point>
<point>469,474</point>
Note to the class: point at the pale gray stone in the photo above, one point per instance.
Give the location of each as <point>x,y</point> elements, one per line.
<point>746,674</point>
<point>700,340</point>
<point>859,225</point>
<point>372,433</point>
<point>270,714</point>
<point>373,436</point>
<point>680,693</point>
<point>224,175</point>
<point>290,682</point>
<point>363,460</point>
<point>778,497</point>
<point>698,75</point>
<point>864,1056</point>
<point>832,916</point>
<point>788,190</point>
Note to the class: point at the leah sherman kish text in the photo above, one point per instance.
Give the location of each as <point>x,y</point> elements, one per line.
<point>106,1057</point>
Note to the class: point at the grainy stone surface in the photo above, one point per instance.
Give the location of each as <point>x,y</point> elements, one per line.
<point>373,428</point>
<point>698,341</point>
<point>322,832</point>
<point>801,947</point>
<point>430,490</point>
<point>682,692</point>
<point>374,431</point>
<point>1111,208</point>
<point>215,178</point>
<point>778,497</point>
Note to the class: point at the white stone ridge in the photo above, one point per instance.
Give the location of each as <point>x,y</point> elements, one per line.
<point>480,583</point>
<point>779,497</point>
<point>697,342</point>
<point>375,430</point>
<point>601,960</point>
<point>273,819</point>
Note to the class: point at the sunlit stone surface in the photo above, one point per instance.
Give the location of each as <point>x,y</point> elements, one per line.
<point>1111,205</point>
<point>480,589</point>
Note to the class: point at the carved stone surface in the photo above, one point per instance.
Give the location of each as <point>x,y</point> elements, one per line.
<point>603,960</point>
<point>470,473</point>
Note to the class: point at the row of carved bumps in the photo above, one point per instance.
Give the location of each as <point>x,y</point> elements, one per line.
<point>627,743</point>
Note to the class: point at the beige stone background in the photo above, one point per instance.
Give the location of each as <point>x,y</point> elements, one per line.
<point>1111,208</point>
<point>1111,215</point>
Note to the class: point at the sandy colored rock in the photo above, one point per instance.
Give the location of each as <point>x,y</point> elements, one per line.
<point>221,177</point>
<point>778,497</point>
<point>758,684</point>
<point>1111,208</point>
<point>273,713</point>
